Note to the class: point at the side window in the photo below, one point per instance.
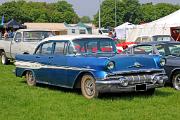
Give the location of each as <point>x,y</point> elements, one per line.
<point>47,48</point>
<point>138,39</point>
<point>148,49</point>
<point>71,49</point>
<point>146,39</point>
<point>73,30</point>
<point>92,47</point>
<point>82,31</point>
<point>106,46</point>
<point>18,37</point>
<point>60,48</point>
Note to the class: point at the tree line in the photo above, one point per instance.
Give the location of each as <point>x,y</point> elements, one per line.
<point>132,11</point>
<point>23,11</point>
<point>61,11</point>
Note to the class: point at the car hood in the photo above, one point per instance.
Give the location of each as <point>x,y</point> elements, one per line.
<point>173,61</point>
<point>135,62</point>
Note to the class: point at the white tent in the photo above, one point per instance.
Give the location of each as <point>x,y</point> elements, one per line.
<point>171,20</point>
<point>158,27</point>
<point>121,30</point>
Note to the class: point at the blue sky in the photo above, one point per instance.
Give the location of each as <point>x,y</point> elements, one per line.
<point>90,7</point>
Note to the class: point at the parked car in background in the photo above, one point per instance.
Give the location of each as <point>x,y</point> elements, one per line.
<point>154,38</point>
<point>168,49</point>
<point>124,45</point>
<point>24,42</point>
<point>103,31</point>
<point>90,62</point>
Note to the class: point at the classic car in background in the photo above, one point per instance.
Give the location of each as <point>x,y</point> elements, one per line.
<point>24,42</point>
<point>154,38</point>
<point>90,62</point>
<point>170,50</point>
<point>123,45</point>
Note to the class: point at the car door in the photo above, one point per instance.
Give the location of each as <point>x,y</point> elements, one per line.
<point>42,59</point>
<point>58,64</point>
<point>16,45</point>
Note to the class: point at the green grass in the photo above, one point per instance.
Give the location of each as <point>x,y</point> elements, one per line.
<point>18,101</point>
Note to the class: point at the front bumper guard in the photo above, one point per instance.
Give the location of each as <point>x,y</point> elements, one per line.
<point>116,85</point>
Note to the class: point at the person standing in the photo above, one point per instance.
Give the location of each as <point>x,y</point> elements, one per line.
<point>5,34</point>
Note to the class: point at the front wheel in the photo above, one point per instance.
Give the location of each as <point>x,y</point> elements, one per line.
<point>176,81</point>
<point>4,59</point>
<point>30,79</point>
<point>88,87</point>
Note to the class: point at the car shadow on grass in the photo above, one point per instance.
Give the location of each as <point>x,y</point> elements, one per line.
<point>132,95</point>
<point>111,96</point>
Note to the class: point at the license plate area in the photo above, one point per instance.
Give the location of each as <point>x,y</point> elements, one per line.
<point>141,87</point>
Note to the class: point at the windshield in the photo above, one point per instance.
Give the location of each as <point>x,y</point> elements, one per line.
<point>36,35</point>
<point>169,49</point>
<point>162,38</point>
<point>94,46</point>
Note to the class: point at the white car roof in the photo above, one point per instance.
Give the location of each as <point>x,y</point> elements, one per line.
<point>73,37</point>
<point>22,30</point>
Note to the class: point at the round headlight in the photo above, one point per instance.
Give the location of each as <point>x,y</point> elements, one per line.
<point>110,65</point>
<point>162,61</point>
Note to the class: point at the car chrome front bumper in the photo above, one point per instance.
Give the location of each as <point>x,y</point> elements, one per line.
<point>116,85</point>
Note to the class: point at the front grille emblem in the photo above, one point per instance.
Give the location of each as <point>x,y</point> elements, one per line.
<point>136,64</point>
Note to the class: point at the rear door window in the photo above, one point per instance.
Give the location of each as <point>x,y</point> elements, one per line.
<point>60,48</point>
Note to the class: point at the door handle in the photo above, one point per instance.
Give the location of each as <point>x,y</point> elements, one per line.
<point>37,57</point>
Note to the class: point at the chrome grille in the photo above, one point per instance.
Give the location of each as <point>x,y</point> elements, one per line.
<point>134,79</point>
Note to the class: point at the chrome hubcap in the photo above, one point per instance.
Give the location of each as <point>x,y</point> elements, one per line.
<point>89,87</point>
<point>177,82</point>
<point>30,77</point>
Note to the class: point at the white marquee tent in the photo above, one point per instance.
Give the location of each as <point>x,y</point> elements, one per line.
<point>161,27</point>
<point>121,30</point>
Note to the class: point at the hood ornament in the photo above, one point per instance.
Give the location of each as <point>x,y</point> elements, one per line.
<point>136,65</point>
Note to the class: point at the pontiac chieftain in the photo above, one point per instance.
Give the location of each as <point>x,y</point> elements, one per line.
<point>90,62</point>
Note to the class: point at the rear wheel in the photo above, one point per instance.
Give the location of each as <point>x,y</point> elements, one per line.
<point>176,81</point>
<point>30,79</point>
<point>4,59</point>
<point>88,87</point>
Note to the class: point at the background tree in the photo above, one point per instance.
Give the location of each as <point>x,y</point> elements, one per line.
<point>126,11</point>
<point>85,19</point>
<point>152,12</point>
<point>132,11</point>
<point>23,11</point>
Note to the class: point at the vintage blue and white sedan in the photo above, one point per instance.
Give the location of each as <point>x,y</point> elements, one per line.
<point>90,62</point>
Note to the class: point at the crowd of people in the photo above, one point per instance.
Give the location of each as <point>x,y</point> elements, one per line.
<point>7,34</point>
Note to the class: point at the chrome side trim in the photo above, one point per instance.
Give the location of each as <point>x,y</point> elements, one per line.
<point>36,65</point>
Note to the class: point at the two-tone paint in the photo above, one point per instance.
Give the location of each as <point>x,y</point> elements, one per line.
<point>67,70</point>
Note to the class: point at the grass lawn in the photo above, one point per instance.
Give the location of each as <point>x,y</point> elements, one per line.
<point>18,101</point>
